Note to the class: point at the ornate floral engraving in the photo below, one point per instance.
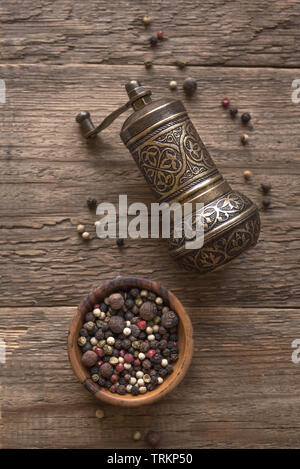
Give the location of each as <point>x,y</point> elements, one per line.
<point>215,213</point>
<point>222,250</point>
<point>172,158</point>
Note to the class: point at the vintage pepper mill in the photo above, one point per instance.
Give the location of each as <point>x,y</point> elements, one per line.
<point>175,163</point>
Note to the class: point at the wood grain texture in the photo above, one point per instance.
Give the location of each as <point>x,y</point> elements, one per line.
<point>61,57</point>
<point>242,387</point>
<point>216,32</point>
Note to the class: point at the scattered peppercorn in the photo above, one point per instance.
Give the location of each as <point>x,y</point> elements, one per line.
<point>146,20</point>
<point>225,102</point>
<point>173,85</point>
<point>245,117</point>
<point>189,86</point>
<point>153,41</point>
<point>181,63</point>
<point>137,436</point>
<point>99,413</point>
<point>152,438</point>
<point>148,64</point>
<point>244,139</point>
<point>85,235</point>
<point>247,174</point>
<point>91,202</point>
<point>233,111</point>
<point>120,242</point>
<point>80,228</point>
<point>266,202</point>
<point>266,187</point>
<point>160,34</point>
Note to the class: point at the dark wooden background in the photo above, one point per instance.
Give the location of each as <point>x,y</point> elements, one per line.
<point>60,57</point>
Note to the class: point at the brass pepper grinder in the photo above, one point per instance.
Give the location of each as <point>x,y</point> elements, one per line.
<point>175,163</point>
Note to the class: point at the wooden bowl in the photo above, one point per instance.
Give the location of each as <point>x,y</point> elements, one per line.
<point>185,342</point>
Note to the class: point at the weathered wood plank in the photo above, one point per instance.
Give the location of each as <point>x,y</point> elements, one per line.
<point>42,101</point>
<point>242,386</point>
<point>205,33</point>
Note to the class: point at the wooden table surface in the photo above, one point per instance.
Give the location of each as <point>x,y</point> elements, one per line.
<point>60,57</point>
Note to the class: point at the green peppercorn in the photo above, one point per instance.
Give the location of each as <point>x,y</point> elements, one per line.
<point>95,378</point>
<point>139,302</point>
<point>81,341</point>
<point>108,350</point>
<point>136,344</point>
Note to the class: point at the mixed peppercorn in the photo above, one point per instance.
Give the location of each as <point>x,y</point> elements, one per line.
<point>129,342</point>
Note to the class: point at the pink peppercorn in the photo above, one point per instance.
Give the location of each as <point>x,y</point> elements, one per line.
<point>114,378</point>
<point>99,351</point>
<point>142,325</point>
<point>128,358</point>
<point>137,362</point>
<point>112,388</point>
<point>151,353</point>
<point>122,353</point>
<point>225,102</point>
<point>160,34</point>
<point>119,367</point>
<point>96,306</point>
<point>99,363</point>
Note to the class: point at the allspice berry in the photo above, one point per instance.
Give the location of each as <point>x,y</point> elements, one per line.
<point>116,324</point>
<point>148,310</point>
<point>152,438</point>
<point>106,370</point>
<point>169,319</point>
<point>89,358</point>
<point>116,301</point>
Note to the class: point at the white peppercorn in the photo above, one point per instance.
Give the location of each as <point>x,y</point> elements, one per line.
<point>132,380</point>
<point>127,331</point>
<point>97,312</point>
<point>159,300</point>
<point>85,235</point>
<point>139,374</point>
<point>141,356</point>
<point>160,380</point>
<point>80,228</point>
<point>151,337</point>
<point>142,389</point>
<point>140,382</point>
<point>164,362</point>
<point>110,340</point>
<point>93,341</point>
<point>147,378</point>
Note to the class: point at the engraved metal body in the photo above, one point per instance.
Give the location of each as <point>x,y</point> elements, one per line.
<point>175,163</point>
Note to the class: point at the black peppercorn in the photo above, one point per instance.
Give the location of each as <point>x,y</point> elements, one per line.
<point>134,390</point>
<point>91,202</point>
<point>134,292</point>
<point>157,358</point>
<point>99,335</point>
<point>126,344</point>
<point>103,307</point>
<point>245,117</point>
<point>153,41</point>
<point>266,187</point>
<point>83,332</point>
<point>233,111</point>
<point>173,357</point>
<point>87,347</point>
<point>166,352</point>
<point>89,317</point>
<point>120,242</point>
<point>266,202</point>
<point>189,86</point>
